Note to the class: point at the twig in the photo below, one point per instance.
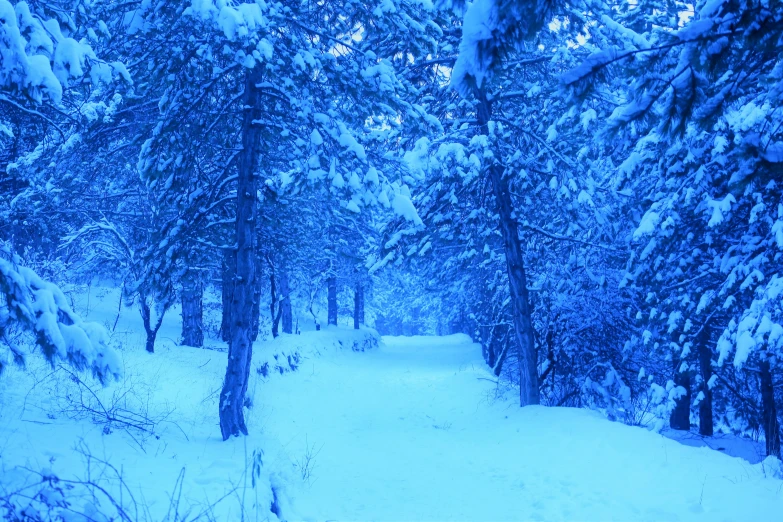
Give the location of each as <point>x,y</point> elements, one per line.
<point>34,113</point>
<point>566,238</point>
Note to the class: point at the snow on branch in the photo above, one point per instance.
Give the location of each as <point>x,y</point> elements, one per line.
<point>37,58</point>
<point>490,29</point>
<point>41,307</point>
<point>758,328</point>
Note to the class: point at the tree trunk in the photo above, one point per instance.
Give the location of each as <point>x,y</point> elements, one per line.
<point>274,305</point>
<point>150,329</point>
<point>498,368</point>
<point>358,306</point>
<point>227,294</point>
<point>331,298</point>
<point>361,307</point>
<point>285,293</point>
<point>769,411</point>
<point>150,344</point>
<point>680,418</point>
<point>706,421</point>
<point>240,346</point>
<point>550,355</point>
<point>487,334</point>
<point>517,277</point>
<point>503,346</point>
<point>192,313</point>
<point>255,324</point>
<point>145,319</point>
<point>312,312</point>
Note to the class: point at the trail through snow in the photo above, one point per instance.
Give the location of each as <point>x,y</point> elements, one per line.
<point>412,431</point>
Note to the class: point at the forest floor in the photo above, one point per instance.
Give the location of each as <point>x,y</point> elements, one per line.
<point>414,429</point>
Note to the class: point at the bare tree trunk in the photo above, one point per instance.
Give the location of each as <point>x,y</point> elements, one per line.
<point>331,299</point>
<point>313,294</point>
<point>358,306</point>
<point>706,421</point>
<point>285,305</point>
<point>550,354</point>
<point>498,368</point>
<point>227,294</point>
<point>517,277</point>
<point>192,312</point>
<point>240,346</point>
<point>485,337</point>
<point>769,411</point>
<point>150,329</point>
<point>275,304</point>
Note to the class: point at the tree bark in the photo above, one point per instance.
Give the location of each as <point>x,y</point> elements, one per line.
<point>358,306</point>
<point>769,411</point>
<point>487,334</point>
<point>362,306</point>
<point>227,291</point>
<point>331,298</point>
<point>192,313</point>
<point>706,421</point>
<point>240,347</point>
<point>497,369</point>
<point>150,329</point>
<point>150,343</point>
<point>255,324</point>
<point>285,305</point>
<point>502,346</point>
<point>517,277</point>
<point>145,319</point>
<point>276,304</point>
<point>550,355</point>
<point>680,418</point>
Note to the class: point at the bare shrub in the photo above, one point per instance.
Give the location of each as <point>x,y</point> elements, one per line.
<point>306,463</point>
<point>103,495</point>
<point>126,405</point>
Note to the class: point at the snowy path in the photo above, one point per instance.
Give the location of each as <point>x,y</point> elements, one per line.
<point>410,432</point>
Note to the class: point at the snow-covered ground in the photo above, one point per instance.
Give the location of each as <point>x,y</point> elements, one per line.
<point>176,464</point>
<point>413,432</point>
<point>410,430</point>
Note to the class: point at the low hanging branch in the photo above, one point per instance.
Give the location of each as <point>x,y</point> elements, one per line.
<point>566,238</point>
<point>34,113</point>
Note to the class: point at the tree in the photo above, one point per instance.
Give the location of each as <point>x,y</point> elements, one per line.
<point>32,304</point>
<point>240,347</point>
<point>41,67</point>
<point>192,311</point>
<point>703,159</point>
<point>507,154</point>
<point>319,94</point>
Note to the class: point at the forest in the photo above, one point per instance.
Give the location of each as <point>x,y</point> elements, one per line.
<point>589,193</point>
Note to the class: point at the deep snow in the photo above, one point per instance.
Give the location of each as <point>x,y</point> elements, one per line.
<point>411,430</point>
